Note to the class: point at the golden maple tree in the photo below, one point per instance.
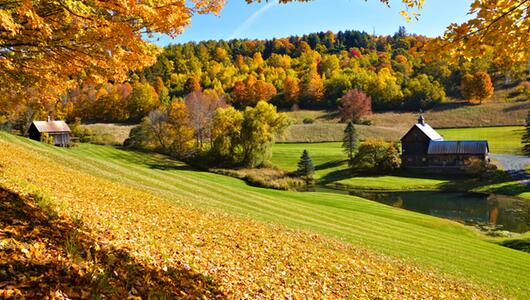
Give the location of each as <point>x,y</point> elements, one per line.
<point>500,25</point>
<point>49,45</point>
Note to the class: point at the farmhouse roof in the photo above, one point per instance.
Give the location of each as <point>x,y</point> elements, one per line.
<point>458,147</point>
<point>51,126</point>
<point>430,132</point>
<point>426,129</point>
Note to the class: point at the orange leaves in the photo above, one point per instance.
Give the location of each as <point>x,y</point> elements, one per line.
<point>55,43</point>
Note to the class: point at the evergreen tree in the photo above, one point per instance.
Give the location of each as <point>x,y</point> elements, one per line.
<point>350,141</point>
<point>305,166</point>
<point>526,136</point>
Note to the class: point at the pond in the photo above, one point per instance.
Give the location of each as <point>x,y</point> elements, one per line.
<point>486,211</point>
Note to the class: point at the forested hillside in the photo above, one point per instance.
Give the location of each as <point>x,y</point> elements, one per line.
<point>311,71</point>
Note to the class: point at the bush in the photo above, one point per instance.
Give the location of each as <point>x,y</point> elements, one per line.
<point>308,121</point>
<point>480,168</point>
<point>84,134</point>
<point>265,177</point>
<point>376,157</point>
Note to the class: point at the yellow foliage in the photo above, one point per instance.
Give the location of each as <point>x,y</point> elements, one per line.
<point>240,258</point>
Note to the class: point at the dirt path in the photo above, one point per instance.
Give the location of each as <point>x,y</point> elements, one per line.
<point>515,165</point>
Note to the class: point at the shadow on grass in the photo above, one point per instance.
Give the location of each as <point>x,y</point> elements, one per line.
<point>336,176</point>
<point>149,159</point>
<point>520,106</point>
<point>449,106</point>
<point>45,256</point>
<point>511,189</point>
<point>330,164</point>
<point>329,116</point>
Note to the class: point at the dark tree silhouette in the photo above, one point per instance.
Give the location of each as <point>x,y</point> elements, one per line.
<point>306,169</point>
<point>350,141</point>
<point>526,136</point>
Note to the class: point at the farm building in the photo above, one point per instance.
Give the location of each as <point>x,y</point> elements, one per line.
<point>423,147</point>
<point>58,130</point>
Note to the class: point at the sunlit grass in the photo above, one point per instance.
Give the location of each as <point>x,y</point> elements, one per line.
<point>428,241</point>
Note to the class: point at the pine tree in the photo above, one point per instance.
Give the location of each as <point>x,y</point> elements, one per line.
<point>526,136</point>
<point>350,141</point>
<point>305,166</point>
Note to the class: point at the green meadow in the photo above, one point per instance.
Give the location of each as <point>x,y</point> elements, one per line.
<point>331,165</point>
<point>432,242</point>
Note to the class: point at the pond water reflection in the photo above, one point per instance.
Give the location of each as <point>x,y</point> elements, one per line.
<point>498,211</point>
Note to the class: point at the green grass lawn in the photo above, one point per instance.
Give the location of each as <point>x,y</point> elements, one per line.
<point>501,139</point>
<point>331,168</point>
<point>433,242</point>
<point>393,183</point>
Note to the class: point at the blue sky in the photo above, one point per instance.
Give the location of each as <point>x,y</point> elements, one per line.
<point>268,20</point>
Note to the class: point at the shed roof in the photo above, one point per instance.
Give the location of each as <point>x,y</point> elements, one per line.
<point>51,126</point>
<point>458,147</point>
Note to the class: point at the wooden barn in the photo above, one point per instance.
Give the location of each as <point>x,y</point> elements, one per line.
<point>58,130</point>
<point>423,147</point>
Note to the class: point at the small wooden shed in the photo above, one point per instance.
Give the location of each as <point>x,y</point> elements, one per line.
<point>58,130</point>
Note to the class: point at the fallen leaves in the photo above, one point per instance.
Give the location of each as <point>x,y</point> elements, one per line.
<point>128,243</point>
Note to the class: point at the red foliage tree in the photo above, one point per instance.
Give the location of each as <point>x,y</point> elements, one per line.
<point>354,105</point>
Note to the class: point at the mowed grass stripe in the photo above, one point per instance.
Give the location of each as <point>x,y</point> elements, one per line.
<point>448,247</point>
<point>364,227</point>
<point>395,226</point>
<point>344,225</point>
<point>330,217</point>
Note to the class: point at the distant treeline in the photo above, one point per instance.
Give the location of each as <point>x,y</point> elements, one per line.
<point>311,71</point>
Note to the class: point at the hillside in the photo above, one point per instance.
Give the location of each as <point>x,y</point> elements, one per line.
<point>393,125</point>
<point>126,198</point>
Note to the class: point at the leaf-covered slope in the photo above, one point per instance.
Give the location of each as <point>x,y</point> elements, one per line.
<point>236,257</point>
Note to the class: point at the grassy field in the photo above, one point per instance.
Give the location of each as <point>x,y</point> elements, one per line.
<point>506,140</point>
<point>392,125</point>
<point>100,178</point>
<point>111,133</point>
<point>326,156</point>
<point>331,167</point>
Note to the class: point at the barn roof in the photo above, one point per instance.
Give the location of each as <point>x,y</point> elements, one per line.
<point>51,126</point>
<point>458,147</point>
<point>430,132</point>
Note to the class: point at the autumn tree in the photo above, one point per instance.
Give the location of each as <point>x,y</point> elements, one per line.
<point>422,92</point>
<point>313,87</point>
<point>251,91</point>
<point>142,100</point>
<point>354,105</point>
<point>192,85</point>
<point>201,107</point>
<point>384,89</point>
<point>50,45</point>
<point>291,90</point>
<point>245,138</point>
<point>350,141</point>
<point>260,126</point>
<point>476,87</point>
<point>499,26</point>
